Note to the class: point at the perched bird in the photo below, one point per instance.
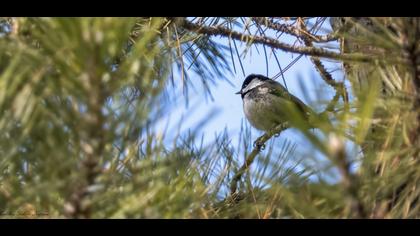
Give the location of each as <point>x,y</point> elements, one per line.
<point>267,103</point>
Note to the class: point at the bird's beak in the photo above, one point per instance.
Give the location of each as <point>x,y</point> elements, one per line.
<point>239,92</point>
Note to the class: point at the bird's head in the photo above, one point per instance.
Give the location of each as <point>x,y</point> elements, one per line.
<point>251,82</point>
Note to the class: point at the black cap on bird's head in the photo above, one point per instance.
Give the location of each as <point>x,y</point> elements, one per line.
<point>248,80</point>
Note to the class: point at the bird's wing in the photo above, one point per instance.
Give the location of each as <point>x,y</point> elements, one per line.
<point>278,90</point>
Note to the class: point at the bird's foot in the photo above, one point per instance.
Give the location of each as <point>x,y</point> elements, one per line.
<point>259,144</point>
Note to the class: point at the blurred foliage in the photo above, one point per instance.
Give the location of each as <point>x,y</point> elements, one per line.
<point>80,100</point>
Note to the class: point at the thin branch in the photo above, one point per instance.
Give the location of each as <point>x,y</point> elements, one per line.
<point>260,143</point>
<point>92,144</point>
<point>318,64</point>
<point>339,86</point>
<point>312,51</point>
<point>350,181</point>
<point>299,33</point>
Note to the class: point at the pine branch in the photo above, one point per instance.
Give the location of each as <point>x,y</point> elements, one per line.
<point>312,51</point>
<point>299,33</point>
<point>259,145</point>
<point>92,145</point>
<point>339,86</point>
<point>349,181</point>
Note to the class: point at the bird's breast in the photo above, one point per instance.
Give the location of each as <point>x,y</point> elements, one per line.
<point>260,111</point>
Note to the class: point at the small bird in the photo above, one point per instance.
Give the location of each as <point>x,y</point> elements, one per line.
<point>267,103</point>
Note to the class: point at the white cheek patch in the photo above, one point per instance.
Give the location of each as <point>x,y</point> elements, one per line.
<point>254,83</point>
<point>263,90</point>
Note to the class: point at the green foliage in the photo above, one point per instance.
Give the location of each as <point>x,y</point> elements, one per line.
<point>81,100</point>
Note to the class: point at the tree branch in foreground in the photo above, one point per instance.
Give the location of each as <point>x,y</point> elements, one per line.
<point>349,181</point>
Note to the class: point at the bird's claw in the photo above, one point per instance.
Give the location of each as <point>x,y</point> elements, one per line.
<point>258,144</point>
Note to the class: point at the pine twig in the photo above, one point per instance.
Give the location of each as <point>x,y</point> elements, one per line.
<point>268,41</point>
<point>350,181</point>
<point>339,86</point>
<point>291,30</point>
<point>92,146</point>
<point>260,142</point>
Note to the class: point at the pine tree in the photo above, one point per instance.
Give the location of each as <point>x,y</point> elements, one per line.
<point>81,99</point>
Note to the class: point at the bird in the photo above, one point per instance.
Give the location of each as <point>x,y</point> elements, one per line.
<point>267,104</point>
